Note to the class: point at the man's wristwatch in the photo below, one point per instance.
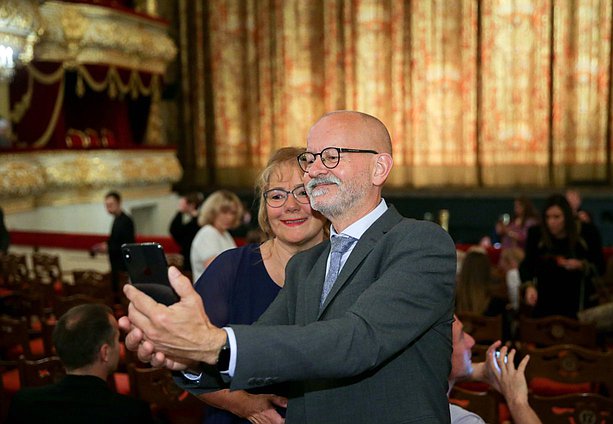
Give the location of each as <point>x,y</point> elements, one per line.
<point>223,360</point>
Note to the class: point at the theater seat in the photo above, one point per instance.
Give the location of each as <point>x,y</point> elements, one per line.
<point>565,369</point>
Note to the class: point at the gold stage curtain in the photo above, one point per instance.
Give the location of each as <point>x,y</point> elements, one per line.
<point>475,93</point>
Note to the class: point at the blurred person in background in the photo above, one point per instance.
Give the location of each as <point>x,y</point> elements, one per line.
<point>478,292</point>
<point>122,231</point>
<point>513,230</point>
<point>510,258</point>
<point>574,200</point>
<point>220,212</point>
<point>184,226</point>
<point>498,371</point>
<point>475,286</point>
<point>563,256</point>
<point>5,238</point>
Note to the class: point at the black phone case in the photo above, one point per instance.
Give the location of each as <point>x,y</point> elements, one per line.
<point>148,270</point>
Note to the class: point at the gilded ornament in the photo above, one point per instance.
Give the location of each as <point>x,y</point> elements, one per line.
<point>93,34</point>
<point>20,176</point>
<point>20,28</point>
<point>41,173</point>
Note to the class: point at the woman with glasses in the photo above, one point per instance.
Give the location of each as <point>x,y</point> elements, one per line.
<point>240,283</point>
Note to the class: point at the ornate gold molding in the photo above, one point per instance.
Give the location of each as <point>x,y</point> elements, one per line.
<point>41,173</point>
<point>20,176</point>
<point>85,34</point>
<point>20,27</point>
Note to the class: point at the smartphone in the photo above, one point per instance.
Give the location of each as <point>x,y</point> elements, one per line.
<point>148,270</point>
<point>498,356</point>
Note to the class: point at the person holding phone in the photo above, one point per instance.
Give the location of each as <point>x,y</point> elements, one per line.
<point>498,371</point>
<point>512,231</point>
<point>240,284</point>
<point>361,331</point>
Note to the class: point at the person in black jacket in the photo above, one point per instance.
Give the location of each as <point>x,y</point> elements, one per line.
<point>5,238</point>
<point>563,255</point>
<point>122,231</point>
<point>87,341</point>
<point>184,225</point>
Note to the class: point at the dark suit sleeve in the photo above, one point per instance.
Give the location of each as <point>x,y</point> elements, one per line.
<point>412,290</point>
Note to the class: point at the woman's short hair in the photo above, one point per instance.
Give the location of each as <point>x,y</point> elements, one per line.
<point>220,201</point>
<point>284,157</point>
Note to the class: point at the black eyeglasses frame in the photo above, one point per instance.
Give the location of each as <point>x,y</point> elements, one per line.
<point>339,150</point>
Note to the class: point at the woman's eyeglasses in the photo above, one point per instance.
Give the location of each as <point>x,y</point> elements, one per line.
<point>276,197</point>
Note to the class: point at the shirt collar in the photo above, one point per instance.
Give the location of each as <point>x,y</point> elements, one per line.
<point>358,228</point>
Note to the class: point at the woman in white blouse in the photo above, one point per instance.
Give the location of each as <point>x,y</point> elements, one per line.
<point>220,212</point>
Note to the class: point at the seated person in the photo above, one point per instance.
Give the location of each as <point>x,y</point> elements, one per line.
<point>475,292</point>
<point>512,231</point>
<point>498,372</point>
<point>87,341</point>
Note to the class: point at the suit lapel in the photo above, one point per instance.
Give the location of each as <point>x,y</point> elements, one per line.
<point>361,250</point>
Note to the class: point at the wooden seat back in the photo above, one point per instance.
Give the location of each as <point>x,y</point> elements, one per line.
<point>585,408</point>
<point>555,330</point>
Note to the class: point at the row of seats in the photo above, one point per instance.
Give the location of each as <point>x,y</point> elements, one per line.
<point>35,296</point>
<point>155,386</point>
<point>570,373</point>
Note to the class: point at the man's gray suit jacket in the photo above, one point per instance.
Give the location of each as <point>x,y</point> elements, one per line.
<point>379,350</point>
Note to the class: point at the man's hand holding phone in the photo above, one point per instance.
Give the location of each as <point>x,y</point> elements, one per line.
<point>175,336</point>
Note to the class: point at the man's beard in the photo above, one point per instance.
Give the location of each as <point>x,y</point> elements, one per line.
<point>349,194</point>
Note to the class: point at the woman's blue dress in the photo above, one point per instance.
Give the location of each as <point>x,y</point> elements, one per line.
<point>235,289</point>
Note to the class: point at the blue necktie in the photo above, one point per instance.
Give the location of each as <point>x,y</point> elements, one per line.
<point>340,245</point>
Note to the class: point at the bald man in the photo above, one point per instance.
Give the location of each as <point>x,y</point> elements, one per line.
<point>359,335</point>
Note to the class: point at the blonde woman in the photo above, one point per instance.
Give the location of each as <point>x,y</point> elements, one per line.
<point>220,212</point>
<point>241,283</point>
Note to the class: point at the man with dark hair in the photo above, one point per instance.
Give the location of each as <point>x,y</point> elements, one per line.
<point>87,341</point>
<point>184,226</point>
<point>122,232</point>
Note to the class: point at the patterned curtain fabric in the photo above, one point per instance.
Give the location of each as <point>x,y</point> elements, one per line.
<point>475,93</point>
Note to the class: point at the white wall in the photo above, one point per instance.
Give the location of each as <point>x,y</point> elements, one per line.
<point>152,217</point>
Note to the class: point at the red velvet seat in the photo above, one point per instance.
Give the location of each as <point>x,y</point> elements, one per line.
<point>575,408</point>
<point>565,369</point>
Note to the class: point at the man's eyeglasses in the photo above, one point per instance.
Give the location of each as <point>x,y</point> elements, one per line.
<point>330,157</point>
<point>276,197</point>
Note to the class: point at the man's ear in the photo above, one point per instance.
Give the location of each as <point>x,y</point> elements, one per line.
<point>382,168</point>
<point>104,352</point>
